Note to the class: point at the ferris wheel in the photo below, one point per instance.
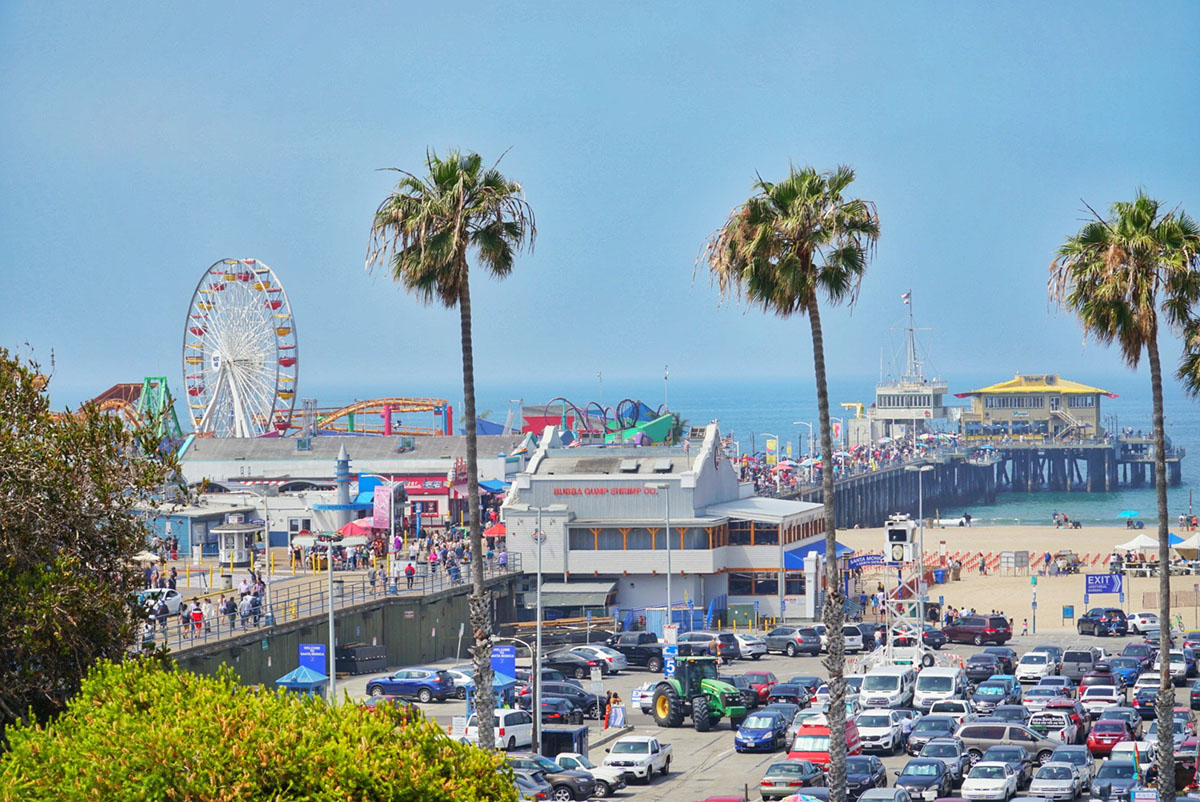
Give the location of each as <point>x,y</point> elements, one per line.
<point>240,359</point>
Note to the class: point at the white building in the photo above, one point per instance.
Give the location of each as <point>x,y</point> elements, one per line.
<point>603,516</point>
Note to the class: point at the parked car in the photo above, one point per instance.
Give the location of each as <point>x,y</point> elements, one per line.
<point>643,695</point>
<point>978,629</point>
<point>749,693</point>
<point>424,684</point>
<point>1194,695</point>
<point>408,710</point>
<point>608,779</point>
<point>990,693</point>
<point>1079,660</point>
<point>1015,713</point>
<point>573,664</point>
<point>951,752</point>
<point>785,777</point>
<point>1143,652</point>
<point>640,649</point>
<point>615,661</point>
<point>565,783</point>
<point>1143,702</point>
<point>808,682</point>
<point>853,638</point>
<point>1055,724</point>
<point>1078,715</point>
<point>750,646</point>
<point>1037,697</point>
<point>793,641</point>
<point>1125,668</point>
<point>764,681</point>
<point>1103,621</point>
<point>1007,655</point>
<point>513,728</point>
<point>880,730</point>
<point>786,709</point>
<point>1056,652</point>
<point>982,666</point>
<point>958,709</point>
<point>786,692</point>
<point>1107,734</point>
<point>1176,664</point>
<point>1179,733</point>
<point>979,736</point>
<point>1140,622</point>
<point>1065,684</point>
<point>990,780</point>
<point>640,756</point>
<point>885,795</point>
<point>1115,780</point>
<point>1033,666</point>
<point>926,729</point>
<point>1099,697</point>
<point>1016,757</point>
<point>1057,781</point>
<point>864,773</point>
<point>1081,757</point>
<point>709,644</point>
<point>761,732</point>
<point>555,710</point>
<point>531,786</point>
<point>921,774</point>
<point>1126,714</point>
<point>586,701</point>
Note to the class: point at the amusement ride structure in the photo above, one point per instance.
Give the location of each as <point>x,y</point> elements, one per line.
<point>240,360</point>
<point>146,404</point>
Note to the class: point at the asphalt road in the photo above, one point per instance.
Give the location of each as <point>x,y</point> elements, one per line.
<point>705,764</point>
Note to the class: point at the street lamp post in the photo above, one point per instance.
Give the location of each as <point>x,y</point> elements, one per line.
<point>666,491</point>
<point>774,437</point>
<point>920,470</point>
<point>810,433</point>
<point>666,387</point>
<point>330,539</point>
<point>391,483</point>
<point>536,673</point>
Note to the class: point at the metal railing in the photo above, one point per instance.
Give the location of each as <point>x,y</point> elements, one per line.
<point>290,600</point>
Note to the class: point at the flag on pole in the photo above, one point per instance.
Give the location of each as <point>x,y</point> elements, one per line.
<point>906,297</point>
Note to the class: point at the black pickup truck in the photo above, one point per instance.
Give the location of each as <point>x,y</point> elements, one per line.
<point>640,649</point>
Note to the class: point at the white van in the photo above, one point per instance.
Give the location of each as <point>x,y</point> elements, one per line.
<point>890,686</point>
<point>514,728</point>
<point>935,684</point>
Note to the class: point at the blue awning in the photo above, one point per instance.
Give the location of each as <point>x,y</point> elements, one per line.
<point>794,560</point>
<point>366,497</point>
<point>492,486</point>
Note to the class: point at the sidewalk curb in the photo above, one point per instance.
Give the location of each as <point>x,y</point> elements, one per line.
<point>610,735</point>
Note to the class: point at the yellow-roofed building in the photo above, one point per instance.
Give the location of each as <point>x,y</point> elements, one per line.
<point>1043,404</point>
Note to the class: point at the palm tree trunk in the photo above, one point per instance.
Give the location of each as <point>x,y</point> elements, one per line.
<point>480,605</point>
<point>1165,703</point>
<point>834,612</point>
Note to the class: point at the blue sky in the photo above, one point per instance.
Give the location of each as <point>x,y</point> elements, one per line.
<point>139,143</point>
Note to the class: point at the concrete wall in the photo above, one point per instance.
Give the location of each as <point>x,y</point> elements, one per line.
<point>414,630</point>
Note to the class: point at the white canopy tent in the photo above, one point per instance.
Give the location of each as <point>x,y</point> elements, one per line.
<point>1139,543</point>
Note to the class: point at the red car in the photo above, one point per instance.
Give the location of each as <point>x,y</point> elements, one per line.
<point>763,682</point>
<point>1107,734</point>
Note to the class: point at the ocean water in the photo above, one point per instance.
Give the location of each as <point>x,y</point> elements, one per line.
<point>753,410</point>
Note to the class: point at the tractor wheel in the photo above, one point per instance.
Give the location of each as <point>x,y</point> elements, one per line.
<point>700,718</point>
<point>667,707</point>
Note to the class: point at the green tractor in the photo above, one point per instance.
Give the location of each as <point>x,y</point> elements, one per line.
<point>695,691</point>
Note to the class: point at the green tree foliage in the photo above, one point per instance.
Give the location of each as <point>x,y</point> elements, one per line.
<point>783,250</point>
<point>1128,278</point>
<point>426,233</point>
<point>70,489</point>
<point>140,730</point>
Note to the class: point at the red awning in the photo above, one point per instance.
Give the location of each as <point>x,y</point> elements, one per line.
<point>495,529</point>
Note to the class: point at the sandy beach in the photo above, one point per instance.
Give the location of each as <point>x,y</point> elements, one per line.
<point>1013,594</point>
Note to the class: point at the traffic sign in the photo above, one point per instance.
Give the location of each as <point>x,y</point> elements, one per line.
<point>1086,600</point>
<point>669,653</point>
<point>1103,583</point>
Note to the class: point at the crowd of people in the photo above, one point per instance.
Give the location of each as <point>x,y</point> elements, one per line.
<point>788,475</point>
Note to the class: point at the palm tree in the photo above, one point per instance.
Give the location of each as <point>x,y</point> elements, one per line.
<point>1123,277</point>
<point>422,234</point>
<point>782,249</point>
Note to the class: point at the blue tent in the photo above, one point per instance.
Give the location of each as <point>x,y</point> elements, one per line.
<point>1174,539</point>
<point>794,560</point>
<point>304,680</point>
<point>492,486</point>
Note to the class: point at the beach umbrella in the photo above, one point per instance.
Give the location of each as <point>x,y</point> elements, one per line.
<point>1128,514</point>
<point>885,439</point>
<point>1174,539</point>
<point>360,527</point>
<point>145,557</point>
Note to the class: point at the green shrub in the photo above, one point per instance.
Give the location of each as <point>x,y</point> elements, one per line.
<point>139,731</point>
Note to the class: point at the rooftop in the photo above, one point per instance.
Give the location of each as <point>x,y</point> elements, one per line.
<point>759,508</point>
<point>326,448</point>
<point>616,461</point>
<point>1037,383</point>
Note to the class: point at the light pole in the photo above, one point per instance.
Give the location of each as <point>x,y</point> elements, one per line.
<point>665,487</point>
<point>330,538</point>
<point>540,537</point>
<point>774,437</point>
<point>920,469</point>
<point>666,387</point>
<point>391,483</point>
<point>810,433</point>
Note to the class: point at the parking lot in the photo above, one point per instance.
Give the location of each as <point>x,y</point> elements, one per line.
<point>705,764</point>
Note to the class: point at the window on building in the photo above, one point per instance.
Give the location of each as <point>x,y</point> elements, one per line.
<point>739,533</point>
<point>766,584</point>
<point>639,538</point>
<point>766,534</point>
<point>741,584</point>
<point>695,539</point>
<point>298,525</point>
<point>582,540</point>
<point>610,540</point>
<point>793,583</point>
<point>1081,401</point>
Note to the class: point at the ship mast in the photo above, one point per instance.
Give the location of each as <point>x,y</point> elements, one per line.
<point>912,367</point>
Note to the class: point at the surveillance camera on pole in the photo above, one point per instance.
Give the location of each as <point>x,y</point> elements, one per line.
<point>901,544</point>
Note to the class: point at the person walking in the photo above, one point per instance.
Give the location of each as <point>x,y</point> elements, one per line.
<point>197,616</point>
<point>371,576</point>
<point>410,573</point>
<point>244,610</point>
<point>160,613</point>
<point>206,611</point>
